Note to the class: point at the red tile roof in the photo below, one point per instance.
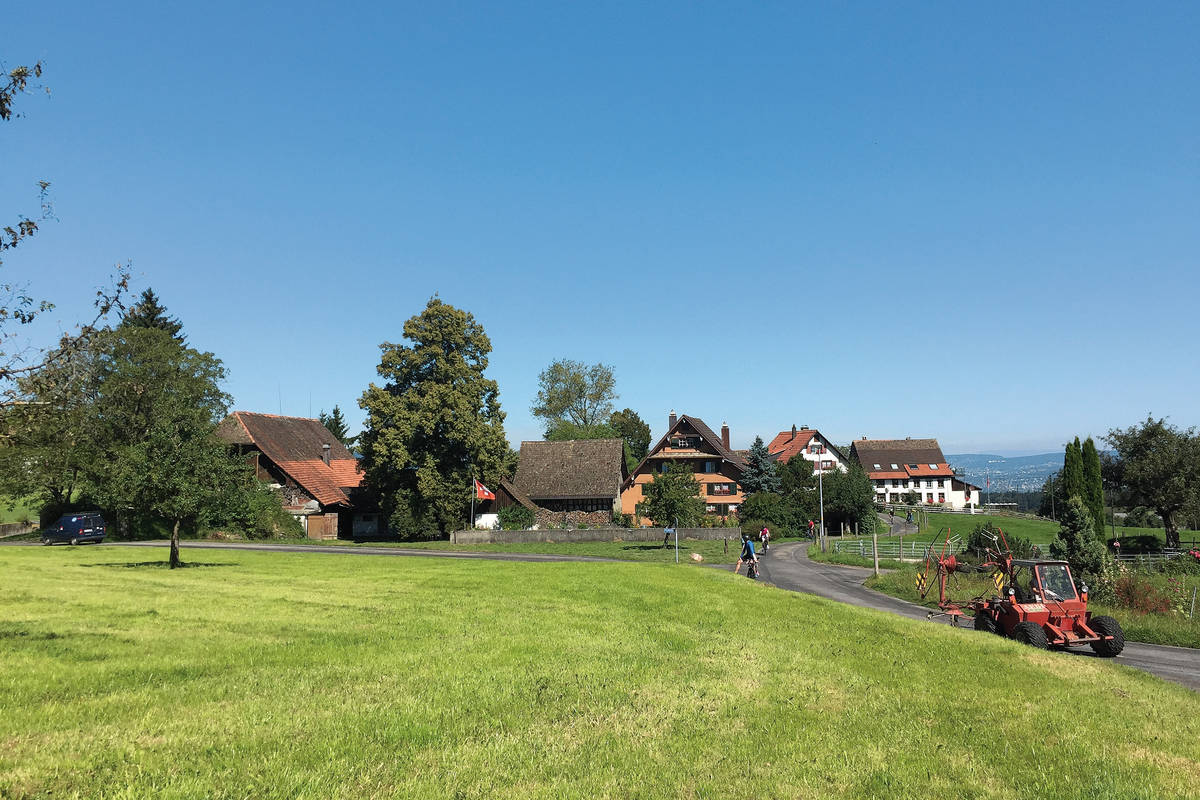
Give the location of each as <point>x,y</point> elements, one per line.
<point>296,446</point>
<point>785,445</point>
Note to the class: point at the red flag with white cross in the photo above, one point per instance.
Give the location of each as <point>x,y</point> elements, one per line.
<point>483,493</point>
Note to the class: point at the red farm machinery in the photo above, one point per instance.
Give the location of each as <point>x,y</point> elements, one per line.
<point>1036,601</point>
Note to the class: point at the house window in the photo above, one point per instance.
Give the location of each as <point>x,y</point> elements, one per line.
<point>941,497</point>
<point>933,466</point>
<point>710,467</point>
<point>929,497</point>
<point>895,466</point>
<point>720,489</point>
<point>733,508</point>
<point>877,466</point>
<point>661,467</point>
<point>826,465</point>
<point>711,508</point>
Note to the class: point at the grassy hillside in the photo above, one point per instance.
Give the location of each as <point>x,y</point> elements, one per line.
<point>309,675</point>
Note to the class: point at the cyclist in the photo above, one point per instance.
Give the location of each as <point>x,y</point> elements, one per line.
<point>747,556</point>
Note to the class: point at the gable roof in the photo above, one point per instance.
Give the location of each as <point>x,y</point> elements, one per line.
<point>785,445</point>
<point>735,457</point>
<point>516,494</point>
<point>916,458</point>
<point>295,445</point>
<point>576,469</point>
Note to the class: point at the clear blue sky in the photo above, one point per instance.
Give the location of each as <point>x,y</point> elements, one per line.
<point>764,214</point>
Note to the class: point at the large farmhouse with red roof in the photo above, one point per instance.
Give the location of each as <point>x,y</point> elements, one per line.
<point>317,476</point>
<point>899,466</point>
<point>810,445</point>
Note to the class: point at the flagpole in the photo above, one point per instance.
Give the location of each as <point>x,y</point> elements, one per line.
<point>474,491</point>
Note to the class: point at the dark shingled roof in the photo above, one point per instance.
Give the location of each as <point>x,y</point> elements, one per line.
<point>572,470</point>
<point>294,444</point>
<point>896,451</point>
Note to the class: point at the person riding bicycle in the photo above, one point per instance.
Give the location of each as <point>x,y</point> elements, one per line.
<point>747,556</point>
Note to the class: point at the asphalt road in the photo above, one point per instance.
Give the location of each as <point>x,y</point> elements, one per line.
<point>788,567</point>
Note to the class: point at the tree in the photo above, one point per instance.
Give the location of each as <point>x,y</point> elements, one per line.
<point>1076,542</point>
<point>1072,471</point>
<point>335,423</point>
<point>157,405</point>
<point>565,431</point>
<point>1093,486</point>
<point>849,497</point>
<point>435,423</point>
<point>796,475</point>
<point>147,312</point>
<point>1159,467</point>
<point>574,392</point>
<point>672,495</point>
<point>760,474</point>
<point>636,433</point>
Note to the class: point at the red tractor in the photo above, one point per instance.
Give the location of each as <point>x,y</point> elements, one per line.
<point>1036,601</point>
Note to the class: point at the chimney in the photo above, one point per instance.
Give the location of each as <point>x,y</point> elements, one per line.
<point>803,427</point>
<point>325,453</point>
<point>725,435</point>
<point>671,420</point>
<point>864,438</point>
<point>793,430</point>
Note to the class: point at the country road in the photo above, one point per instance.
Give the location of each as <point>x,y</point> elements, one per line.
<point>787,566</point>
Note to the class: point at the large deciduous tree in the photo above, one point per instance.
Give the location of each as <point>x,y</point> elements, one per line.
<point>849,497</point>
<point>636,433</point>
<point>1159,467</point>
<point>672,496</point>
<point>760,474</point>
<point>157,406</point>
<point>434,423</point>
<point>570,391</point>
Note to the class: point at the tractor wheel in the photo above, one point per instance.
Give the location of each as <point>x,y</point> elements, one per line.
<point>1030,633</point>
<point>1107,626</point>
<point>984,622</point>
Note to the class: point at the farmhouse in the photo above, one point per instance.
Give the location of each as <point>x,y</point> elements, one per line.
<point>487,512</point>
<point>575,475</point>
<point>899,466</point>
<point>809,444</point>
<point>317,476</point>
<point>716,468</point>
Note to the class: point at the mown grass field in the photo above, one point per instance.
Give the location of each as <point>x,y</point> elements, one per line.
<point>16,510</point>
<point>1172,629</point>
<point>711,551</point>
<point>310,675</point>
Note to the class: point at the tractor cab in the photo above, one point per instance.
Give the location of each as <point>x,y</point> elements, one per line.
<point>1043,582</point>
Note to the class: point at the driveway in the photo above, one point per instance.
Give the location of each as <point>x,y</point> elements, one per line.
<point>788,567</point>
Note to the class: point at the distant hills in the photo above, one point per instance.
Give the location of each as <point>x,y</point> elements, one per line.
<point>1022,473</point>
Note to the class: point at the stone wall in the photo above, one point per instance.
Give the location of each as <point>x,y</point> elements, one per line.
<point>590,535</point>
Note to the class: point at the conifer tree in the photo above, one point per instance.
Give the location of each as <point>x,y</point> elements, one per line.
<point>760,474</point>
<point>1076,541</point>
<point>147,312</point>
<point>335,423</point>
<point>1072,471</point>
<point>1093,485</point>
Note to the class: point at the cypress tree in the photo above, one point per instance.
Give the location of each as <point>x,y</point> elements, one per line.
<point>1072,472</point>
<point>1093,485</point>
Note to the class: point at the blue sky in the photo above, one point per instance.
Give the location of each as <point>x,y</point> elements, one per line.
<point>942,219</point>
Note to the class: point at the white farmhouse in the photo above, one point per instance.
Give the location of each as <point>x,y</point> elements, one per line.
<point>899,466</point>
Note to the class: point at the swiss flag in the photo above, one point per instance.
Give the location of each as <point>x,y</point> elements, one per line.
<point>483,493</point>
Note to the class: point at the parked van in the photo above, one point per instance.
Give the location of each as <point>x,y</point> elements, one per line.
<point>75,529</point>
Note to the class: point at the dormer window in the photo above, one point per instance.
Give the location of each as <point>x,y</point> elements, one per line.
<point>895,466</point>
<point>878,467</point>
<point>933,466</point>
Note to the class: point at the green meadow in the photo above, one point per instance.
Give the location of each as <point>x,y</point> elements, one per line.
<point>310,675</point>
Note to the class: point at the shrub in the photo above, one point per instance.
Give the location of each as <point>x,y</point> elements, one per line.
<point>515,518</point>
<point>623,520</point>
<point>1142,517</point>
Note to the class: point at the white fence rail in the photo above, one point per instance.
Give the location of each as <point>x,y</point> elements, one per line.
<point>863,547</point>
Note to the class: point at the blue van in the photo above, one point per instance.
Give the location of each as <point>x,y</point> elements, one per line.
<point>75,529</point>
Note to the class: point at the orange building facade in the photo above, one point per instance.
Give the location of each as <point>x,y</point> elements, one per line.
<point>714,465</point>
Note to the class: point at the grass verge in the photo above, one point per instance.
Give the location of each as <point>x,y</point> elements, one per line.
<point>849,559</point>
<point>308,675</point>
<point>1172,629</point>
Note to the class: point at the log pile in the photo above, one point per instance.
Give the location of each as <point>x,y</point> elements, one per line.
<point>546,519</point>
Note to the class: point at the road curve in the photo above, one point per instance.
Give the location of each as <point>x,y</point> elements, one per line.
<point>788,567</point>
